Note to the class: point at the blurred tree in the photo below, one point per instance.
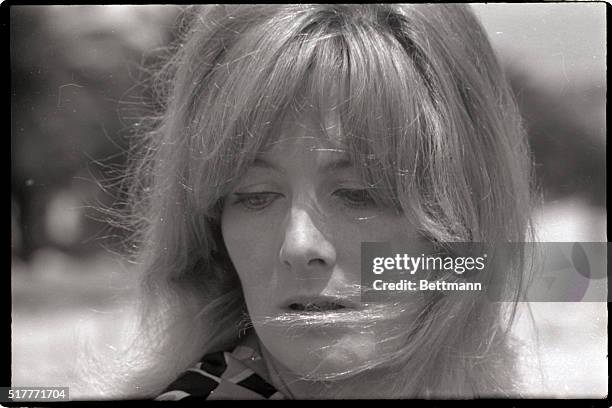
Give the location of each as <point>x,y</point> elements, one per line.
<point>566,130</point>
<point>72,68</point>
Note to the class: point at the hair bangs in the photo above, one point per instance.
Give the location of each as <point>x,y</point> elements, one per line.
<point>348,70</point>
<point>250,96</point>
<point>365,79</point>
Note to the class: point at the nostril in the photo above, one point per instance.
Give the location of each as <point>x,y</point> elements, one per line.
<point>316,261</point>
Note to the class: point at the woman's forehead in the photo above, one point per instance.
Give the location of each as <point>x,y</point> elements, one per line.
<point>322,127</point>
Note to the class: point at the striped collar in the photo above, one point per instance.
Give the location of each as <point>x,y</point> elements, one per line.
<point>240,374</point>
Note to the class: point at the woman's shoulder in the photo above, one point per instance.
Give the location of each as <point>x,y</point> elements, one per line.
<point>236,374</point>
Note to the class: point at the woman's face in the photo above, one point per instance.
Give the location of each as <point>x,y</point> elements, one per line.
<point>293,227</point>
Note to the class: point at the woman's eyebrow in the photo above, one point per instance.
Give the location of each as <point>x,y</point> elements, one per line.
<point>336,164</point>
<point>262,163</point>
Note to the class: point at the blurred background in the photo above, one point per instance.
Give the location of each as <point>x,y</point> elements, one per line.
<point>76,92</point>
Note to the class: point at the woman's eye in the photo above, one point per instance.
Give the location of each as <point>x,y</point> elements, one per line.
<point>255,201</point>
<point>356,198</point>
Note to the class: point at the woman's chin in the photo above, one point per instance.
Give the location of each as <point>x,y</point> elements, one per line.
<point>319,357</point>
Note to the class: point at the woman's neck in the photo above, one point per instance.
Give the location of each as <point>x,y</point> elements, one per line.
<point>295,387</point>
<point>288,383</point>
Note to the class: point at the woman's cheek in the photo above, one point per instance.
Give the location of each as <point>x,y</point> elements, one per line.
<point>250,241</point>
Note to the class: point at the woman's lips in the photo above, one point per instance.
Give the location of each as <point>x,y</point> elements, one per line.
<point>318,303</point>
<point>315,307</point>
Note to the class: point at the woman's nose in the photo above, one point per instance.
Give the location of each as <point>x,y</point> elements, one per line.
<point>305,247</point>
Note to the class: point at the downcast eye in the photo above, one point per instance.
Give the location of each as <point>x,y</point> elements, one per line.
<point>255,201</point>
<point>355,198</point>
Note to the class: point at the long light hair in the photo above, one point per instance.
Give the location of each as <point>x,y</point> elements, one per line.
<point>426,114</point>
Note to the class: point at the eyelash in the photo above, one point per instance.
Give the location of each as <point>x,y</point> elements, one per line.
<point>246,199</point>
<point>353,198</point>
<point>356,198</point>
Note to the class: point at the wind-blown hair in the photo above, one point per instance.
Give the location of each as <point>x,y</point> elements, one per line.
<point>428,119</point>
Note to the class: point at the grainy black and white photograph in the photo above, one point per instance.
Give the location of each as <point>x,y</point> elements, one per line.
<point>238,201</point>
